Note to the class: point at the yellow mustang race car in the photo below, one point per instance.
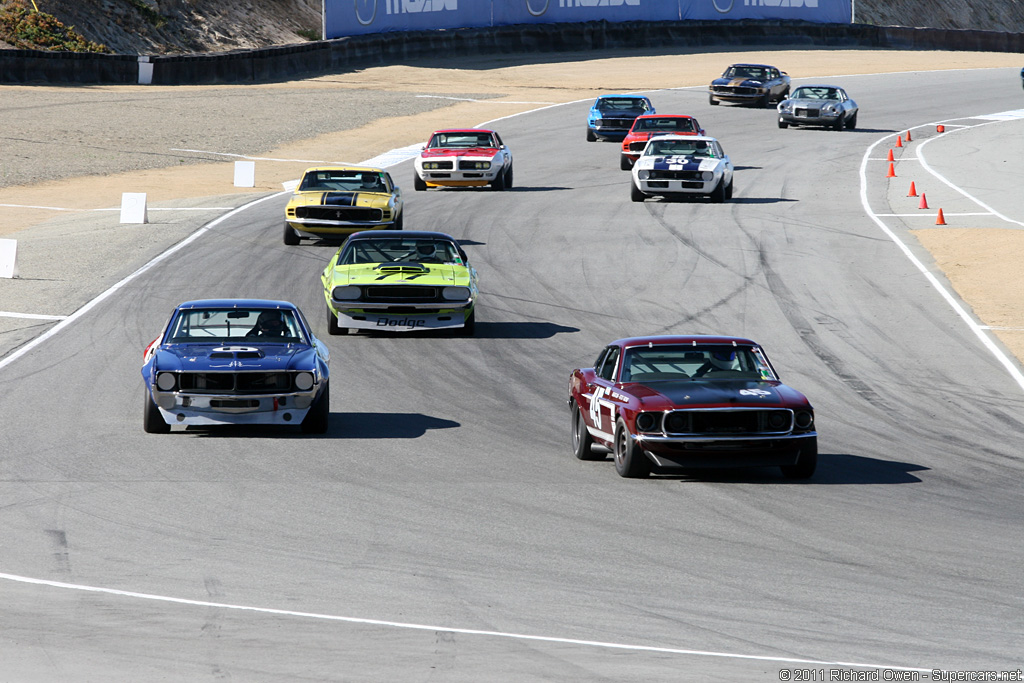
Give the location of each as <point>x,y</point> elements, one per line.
<point>336,201</point>
<point>400,282</point>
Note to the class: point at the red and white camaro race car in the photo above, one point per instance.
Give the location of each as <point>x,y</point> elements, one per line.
<point>464,158</point>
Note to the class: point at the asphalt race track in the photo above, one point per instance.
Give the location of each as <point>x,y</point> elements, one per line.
<point>442,529</point>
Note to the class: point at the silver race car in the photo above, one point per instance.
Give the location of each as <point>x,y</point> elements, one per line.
<point>818,105</point>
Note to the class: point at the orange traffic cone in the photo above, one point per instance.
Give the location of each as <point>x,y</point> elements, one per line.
<point>940,219</point>
<point>892,171</point>
<point>899,141</point>
<point>890,157</point>
<point>924,202</point>
<point>940,128</point>
<point>908,136</point>
<point>913,190</point>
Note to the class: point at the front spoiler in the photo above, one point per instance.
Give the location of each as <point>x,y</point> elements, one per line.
<point>200,409</point>
<point>402,322</point>
<point>710,452</point>
<point>328,228</point>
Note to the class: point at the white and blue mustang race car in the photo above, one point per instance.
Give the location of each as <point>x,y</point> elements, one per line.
<point>677,165</point>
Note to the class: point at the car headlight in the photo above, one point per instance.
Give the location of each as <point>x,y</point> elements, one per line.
<point>304,381</point>
<point>643,175</point>
<point>647,422</point>
<point>166,381</point>
<point>347,293</point>
<point>786,106</point>
<point>481,165</point>
<point>707,175</point>
<point>598,122</point>
<point>829,109</point>
<point>804,419</point>
<point>431,165</point>
<point>455,293</point>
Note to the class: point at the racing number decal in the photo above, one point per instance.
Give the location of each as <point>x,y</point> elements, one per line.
<point>596,401</point>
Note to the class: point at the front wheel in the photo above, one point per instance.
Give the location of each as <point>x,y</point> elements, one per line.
<point>852,123</point>
<point>418,184</point>
<point>783,124</point>
<point>590,136</point>
<point>152,420</point>
<point>839,123</point>
<point>508,178</point>
<point>625,163</point>
<point>718,194</point>
<point>635,194</point>
<point>332,323</point>
<point>291,238</point>
<point>499,182</point>
<point>806,463</point>
<point>399,222</point>
<point>728,189</point>
<point>630,461</point>
<point>319,415</point>
<point>765,101</point>
<point>581,439</point>
<point>712,101</point>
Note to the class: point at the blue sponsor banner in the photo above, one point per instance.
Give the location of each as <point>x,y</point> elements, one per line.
<point>818,11</point>
<point>555,11</point>
<point>356,17</point>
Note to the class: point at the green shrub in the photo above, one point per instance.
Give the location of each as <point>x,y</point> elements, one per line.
<point>23,27</point>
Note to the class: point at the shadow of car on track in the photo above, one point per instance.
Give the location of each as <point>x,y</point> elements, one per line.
<point>834,469</point>
<point>698,199</point>
<point>340,426</point>
<point>484,330</point>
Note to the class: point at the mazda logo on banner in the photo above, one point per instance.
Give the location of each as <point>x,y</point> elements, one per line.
<point>366,11</point>
<point>723,6</point>
<point>537,7</point>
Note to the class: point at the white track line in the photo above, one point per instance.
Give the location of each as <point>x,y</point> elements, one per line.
<point>445,629</point>
<point>978,329</point>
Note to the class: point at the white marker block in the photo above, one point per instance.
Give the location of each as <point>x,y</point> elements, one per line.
<point>8,258</point>
<point>145,70</point>
<point>245,174</point>
<point>133,207</point>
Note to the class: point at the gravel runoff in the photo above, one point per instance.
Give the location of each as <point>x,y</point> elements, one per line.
<point>56,133</point>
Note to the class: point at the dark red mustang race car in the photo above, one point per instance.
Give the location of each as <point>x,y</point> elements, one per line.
<point>690,402</point>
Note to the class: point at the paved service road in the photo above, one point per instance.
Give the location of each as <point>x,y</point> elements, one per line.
<point>443,531</point>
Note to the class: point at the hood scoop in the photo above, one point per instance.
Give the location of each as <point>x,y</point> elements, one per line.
<point>402,268</point>
<point>237,353</point>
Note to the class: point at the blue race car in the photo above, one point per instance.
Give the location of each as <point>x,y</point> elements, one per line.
<point>613,115</point>
<point>236,362</point>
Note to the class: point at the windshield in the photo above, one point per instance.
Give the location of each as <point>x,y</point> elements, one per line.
<point>807,93</point>
<point>679,125</point>
<point>703,361</point>
<point>754,72</point>
<point>679,147</point>
<point>343,181</point>
<point>218,326</point>
<point>462,140</point>
<point>409,250</point>
<point>621,103</point>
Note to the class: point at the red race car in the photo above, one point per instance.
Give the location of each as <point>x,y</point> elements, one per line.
<point>644,127</point>
<point>680,402</point>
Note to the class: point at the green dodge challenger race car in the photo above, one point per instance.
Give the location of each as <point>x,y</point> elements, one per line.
<point>400,281</point>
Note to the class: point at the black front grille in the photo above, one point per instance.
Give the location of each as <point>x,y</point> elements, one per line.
<point>735,90</point>
<point>340,213</point>
<point>235,382</point>
<point>637,146</point>
<point>401,293</point>
<point>438,164</point>
<point>617,123</point>
<point>810,113</point>
<point>676,175</point>
<point>728,422</point>
<point>469,166</point>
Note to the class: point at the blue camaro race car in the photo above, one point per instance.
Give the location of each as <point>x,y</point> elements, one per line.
<point>236,362</point>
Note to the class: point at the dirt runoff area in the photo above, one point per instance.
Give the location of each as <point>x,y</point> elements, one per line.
<point>980,263</point>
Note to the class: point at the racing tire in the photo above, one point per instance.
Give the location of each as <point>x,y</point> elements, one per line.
<point>765,101</point>
<point>418,184</point>
<point>630,461</point>
<point>291,238</point>
<point>152,420</point>
<point>783,124</point>
<point>717,195</point>
<point>839,123</point>
<point>581,439</point>
<point>728,189</point>
<point>468,328</point>
<point>591,137</point>
<point>712,101</point>
<point>852,123</point>
<point>319,416</point>
<point>805,464</point>
<point>498,184</point>
<point>508,178</point>
<point>635,194</point>
<point>625,163</point>
<point>399,223</point>
<point>332,324</point>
